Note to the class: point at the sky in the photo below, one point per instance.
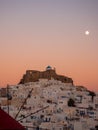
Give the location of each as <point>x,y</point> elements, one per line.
<point>38,33</point>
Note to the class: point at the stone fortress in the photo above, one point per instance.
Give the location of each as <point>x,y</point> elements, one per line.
<point>46,100</point>
<point>34,75</point>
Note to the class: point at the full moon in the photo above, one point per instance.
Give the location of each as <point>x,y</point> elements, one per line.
<point>87,32</point>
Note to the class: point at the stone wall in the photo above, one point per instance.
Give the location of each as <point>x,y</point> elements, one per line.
<point>33,76</point>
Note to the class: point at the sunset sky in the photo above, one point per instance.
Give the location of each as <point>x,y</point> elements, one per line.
<point>37,33</point>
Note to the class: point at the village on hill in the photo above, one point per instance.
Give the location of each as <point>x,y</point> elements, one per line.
<point>48,101</point>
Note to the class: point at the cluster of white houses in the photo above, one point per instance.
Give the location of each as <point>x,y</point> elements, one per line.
<point>52,105</point>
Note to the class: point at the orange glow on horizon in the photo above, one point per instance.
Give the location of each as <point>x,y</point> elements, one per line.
<point>34,34</point>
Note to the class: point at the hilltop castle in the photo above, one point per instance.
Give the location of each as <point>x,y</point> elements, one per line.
<point>34,75</point>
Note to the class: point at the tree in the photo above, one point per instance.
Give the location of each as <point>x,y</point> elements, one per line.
<point>71,103</point>
<point>91,93</point>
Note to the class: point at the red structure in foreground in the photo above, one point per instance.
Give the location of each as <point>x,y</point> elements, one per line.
<point>8,123</point>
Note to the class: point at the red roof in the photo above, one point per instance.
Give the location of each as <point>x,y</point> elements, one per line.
<point>8,123</point>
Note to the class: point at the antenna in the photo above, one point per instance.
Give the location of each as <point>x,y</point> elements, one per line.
<point>34,112</point>
<point>24,103</point>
